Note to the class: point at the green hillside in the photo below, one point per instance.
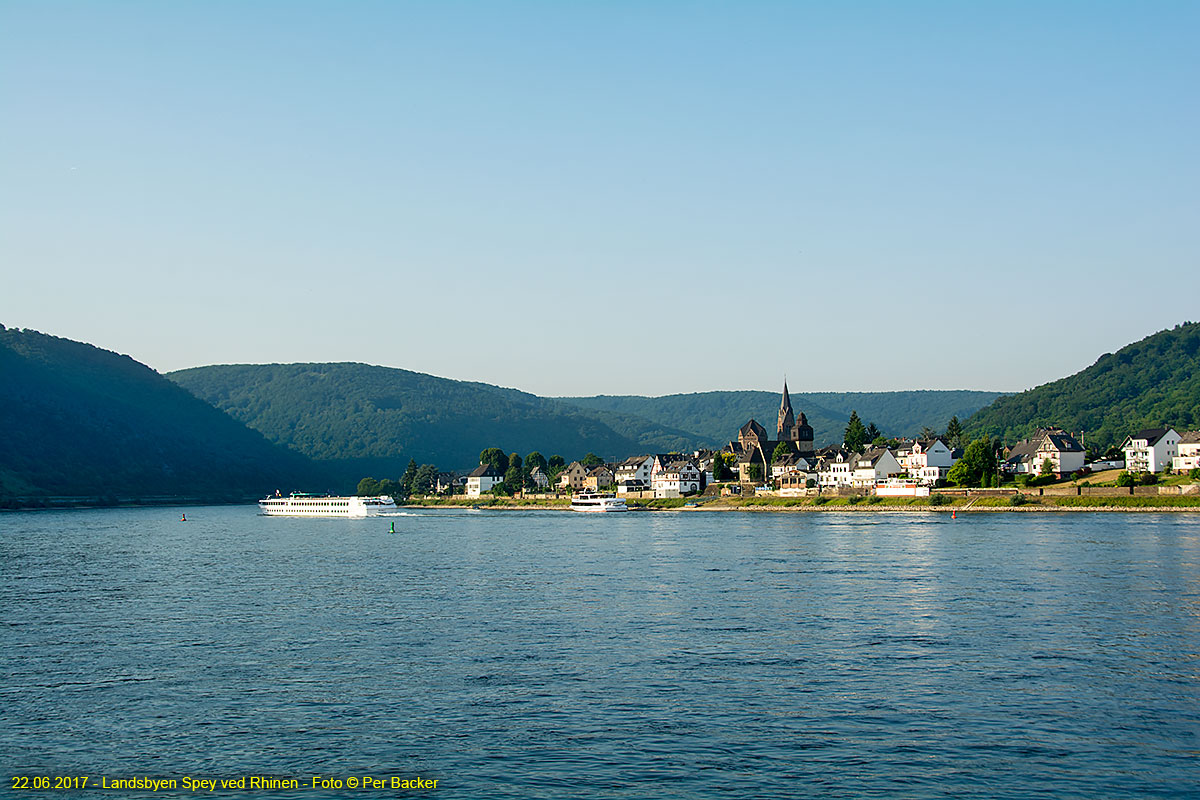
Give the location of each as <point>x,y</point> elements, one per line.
<point>1151,383</point>
<point>360,419</point>
<point>715,417</point>
<point>79,421</point>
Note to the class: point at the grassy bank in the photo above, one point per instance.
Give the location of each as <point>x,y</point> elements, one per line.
<point>854,503</point>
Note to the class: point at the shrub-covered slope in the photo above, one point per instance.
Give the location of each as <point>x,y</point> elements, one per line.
<point>1151,383</point>
<point>79,421</point>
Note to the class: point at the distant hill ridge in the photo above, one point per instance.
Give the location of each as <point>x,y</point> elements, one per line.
<point>715,417</point>
<point>1154,382</point>
<point>362,419</point>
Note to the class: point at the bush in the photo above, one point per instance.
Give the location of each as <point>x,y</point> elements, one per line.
<point>1126,479</point>
<point>1194,474</point>
<point>873,499</point>
<point>1148,479</point>
<point>939,499</point>
<point>820,500</point>
<point>855,499</point>
<point>1018,499</point>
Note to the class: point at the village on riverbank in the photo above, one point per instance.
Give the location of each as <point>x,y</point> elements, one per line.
<point>1153,469</point>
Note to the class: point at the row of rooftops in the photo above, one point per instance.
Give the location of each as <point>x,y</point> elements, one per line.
<point>1045,439</point>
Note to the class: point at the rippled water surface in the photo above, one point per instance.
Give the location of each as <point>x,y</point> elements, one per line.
<point>549,654</point>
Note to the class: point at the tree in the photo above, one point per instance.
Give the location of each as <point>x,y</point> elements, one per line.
<point>755,472</point>
<point>977,467</point>
<point>389,487</point>
<point>513,479</point>
<point>425,481</point>
<point>591,461</point>
<point>367,487</point>
<point>856,434</point>
<point>496,458</point>
<point>514,460</point>
<point>721,466</point>
<point>927,433</point>
<point>556,462</point>
<point>954,432</point>
<point>406,480</point>
<point>873,433</point>
<point>1047,467</point>
<point>536,459</point>
<point>782,451</point>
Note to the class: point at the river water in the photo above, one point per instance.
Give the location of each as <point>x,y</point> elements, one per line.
<point>549,654</point>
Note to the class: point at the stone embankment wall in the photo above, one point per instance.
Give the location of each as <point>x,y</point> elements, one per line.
<point>1118,491</point>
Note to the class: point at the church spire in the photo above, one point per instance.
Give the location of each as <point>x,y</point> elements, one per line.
<point>787,419</point>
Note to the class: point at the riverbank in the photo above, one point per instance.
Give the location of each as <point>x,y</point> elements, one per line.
<point>1026,503</point>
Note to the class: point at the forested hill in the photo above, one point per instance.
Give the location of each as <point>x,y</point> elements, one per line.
<point>366,420</point>
<point>1151,383</point>
<point>79,421</point>
<point>716,417</point>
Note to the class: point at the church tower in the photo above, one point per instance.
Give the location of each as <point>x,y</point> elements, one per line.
<point>798,432</point>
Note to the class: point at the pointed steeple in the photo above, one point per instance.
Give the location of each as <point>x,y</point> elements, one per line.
<point>787,419</point>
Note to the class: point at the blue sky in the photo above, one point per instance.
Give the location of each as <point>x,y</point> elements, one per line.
<point>619,198</point>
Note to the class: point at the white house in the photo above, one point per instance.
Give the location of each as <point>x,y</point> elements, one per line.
<point>1151,450</point>
<point>675,477</point>
<point>1189,452</point>
<point>1027,457</point>
<point>633,474</point>
<point>873,466</point>
<point>482,479</point>
<point>833,470</point>
<point>926,460</point>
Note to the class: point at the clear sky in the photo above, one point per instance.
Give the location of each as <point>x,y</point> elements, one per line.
<point>615,197</point>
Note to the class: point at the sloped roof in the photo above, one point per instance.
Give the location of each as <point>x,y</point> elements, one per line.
<point>870,457</point>
<point>1063,442</point>
<point>1150,434</point>
<point>1190,437</point>
<point>753,427</point>
<point>1021,452</point>
<point>484,471</point>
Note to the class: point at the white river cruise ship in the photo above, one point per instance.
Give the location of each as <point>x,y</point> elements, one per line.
<point>312,505</point>
<point>598,502</point>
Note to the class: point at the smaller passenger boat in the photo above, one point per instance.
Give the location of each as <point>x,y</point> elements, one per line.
<point>598,502</point>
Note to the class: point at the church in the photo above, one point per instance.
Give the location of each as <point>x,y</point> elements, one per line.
<point>753,447</point>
